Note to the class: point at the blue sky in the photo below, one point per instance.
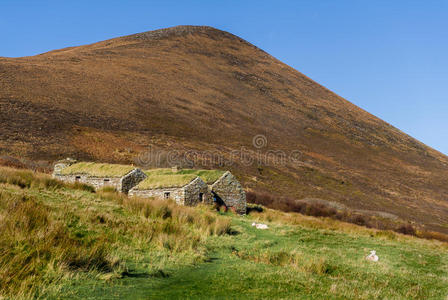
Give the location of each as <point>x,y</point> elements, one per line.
<point>388,57</point>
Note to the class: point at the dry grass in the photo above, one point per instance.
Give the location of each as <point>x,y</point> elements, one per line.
<point>37,250</point>
<point>202,220</point>
<point>29,179</point>
<point>52,231</point>
<point>287,258</point>
<point>98,169</point>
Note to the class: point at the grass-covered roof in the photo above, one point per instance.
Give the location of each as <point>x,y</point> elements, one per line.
<point>166,181</point>
<point>208,176</point>
<point>98,169</point>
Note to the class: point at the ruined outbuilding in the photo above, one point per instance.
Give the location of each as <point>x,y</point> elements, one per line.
<point>228,191</point>
<point>216,187</point>
<point>120,177</point>
<point>186,189</point>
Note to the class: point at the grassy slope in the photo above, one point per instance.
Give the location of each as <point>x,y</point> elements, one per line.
<point>103,234</point>
<point>327,264</point>
<point>165,251</point>
<point>202,89</point>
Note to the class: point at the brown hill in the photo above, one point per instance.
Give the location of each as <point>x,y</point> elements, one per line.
<point>199,88</point>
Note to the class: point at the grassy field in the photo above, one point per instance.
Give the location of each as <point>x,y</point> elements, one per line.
<point>64,241</point>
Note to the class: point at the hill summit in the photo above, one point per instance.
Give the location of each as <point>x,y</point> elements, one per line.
<point>200,90</point>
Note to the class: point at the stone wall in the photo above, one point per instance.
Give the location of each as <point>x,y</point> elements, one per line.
<point>230,191</point>
<point>96,182</point>
<point>193,192</point>
<point>188,195</point>
<point>177,194</point>
<point>131,179</point>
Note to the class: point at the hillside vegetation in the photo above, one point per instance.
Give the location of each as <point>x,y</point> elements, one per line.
<point>200,91</point>
<point>66,241</point>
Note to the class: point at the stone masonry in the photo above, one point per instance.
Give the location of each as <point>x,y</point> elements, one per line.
<point>122,184</point>
<point>190,195</point>
<point>228,190</point>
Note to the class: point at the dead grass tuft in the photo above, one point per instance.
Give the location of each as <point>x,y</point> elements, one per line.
<point>297,260</point>
<point>32,243</point>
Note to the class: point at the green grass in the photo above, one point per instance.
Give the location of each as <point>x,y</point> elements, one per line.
<point>143,249</point>
<point>165,181</point>
<point>208,176</point>
<point>98,169</point>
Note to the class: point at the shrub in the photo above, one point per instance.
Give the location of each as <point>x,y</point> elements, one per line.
<point>406,229</point>
<point>432,235</point>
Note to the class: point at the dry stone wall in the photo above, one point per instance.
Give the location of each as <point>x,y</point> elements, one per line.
<point>177,194</point>
<point>193,192</point>
<point>231,192</point>
<point>96,182</point>
<point>132,179</point>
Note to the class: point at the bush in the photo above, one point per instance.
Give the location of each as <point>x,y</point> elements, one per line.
<point>407,229</point>
<point>432,235</point>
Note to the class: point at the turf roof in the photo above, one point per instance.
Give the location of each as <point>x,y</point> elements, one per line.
<point>166,181</point>
<point>208,176</point>
<point>98,169</point>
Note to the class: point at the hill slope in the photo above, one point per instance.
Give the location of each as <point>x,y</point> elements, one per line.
<point>61,241</point>
<point>199,88</point>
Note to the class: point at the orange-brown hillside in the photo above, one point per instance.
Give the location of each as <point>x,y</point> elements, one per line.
<point>199,88</point>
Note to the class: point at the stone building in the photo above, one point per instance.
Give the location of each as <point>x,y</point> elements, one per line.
<point>215,187</point>
<point>227,191</point>
<point>185,186</point>
<point>99,175</point>
<point>185,189</point>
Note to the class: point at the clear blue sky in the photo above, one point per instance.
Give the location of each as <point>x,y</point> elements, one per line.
<point>388,57</point>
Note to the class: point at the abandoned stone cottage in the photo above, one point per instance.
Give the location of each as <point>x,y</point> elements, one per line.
<point>228,191</point>
<point>99,175</point>
<point>186,187</point>
<point>190,187</point>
